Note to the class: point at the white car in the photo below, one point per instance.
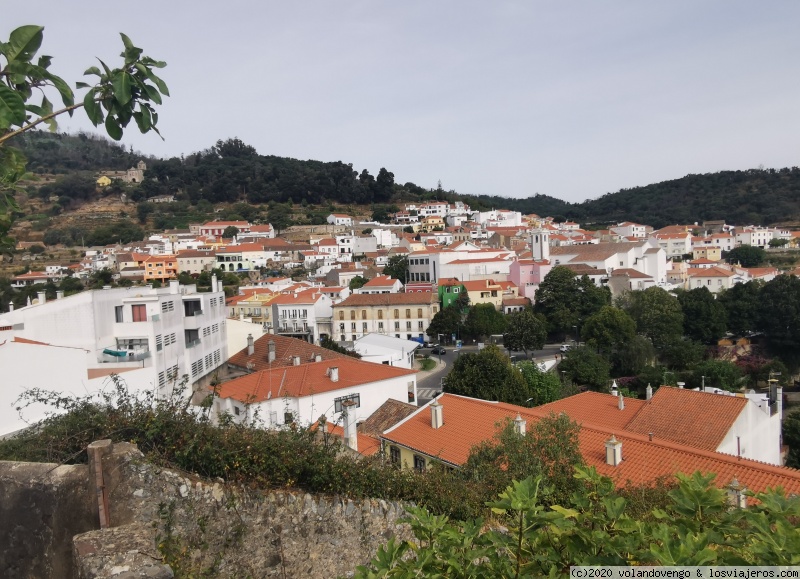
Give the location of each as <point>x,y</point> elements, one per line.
<point>565,347</point>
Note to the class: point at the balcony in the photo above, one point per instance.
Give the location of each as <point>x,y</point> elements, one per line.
<point>192,343</point>
<point>123,358</point>
<point>193,322</point>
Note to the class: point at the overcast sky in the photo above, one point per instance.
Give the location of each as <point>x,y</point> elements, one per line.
<point>569,99</point>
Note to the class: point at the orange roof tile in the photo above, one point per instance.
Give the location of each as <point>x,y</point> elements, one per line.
<point>414,298</point>
<point>699,419</point>
<point>307,379</point>
<point>468,422</point>
<point>596,408</point>
<point>285,350</point>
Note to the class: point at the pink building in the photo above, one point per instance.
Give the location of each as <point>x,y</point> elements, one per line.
<point>527,274</point>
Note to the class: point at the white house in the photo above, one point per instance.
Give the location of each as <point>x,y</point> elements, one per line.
<point>303,393</point>
<point>383,349</point>
<point>382,284</point>
<point>340,219</point>
<point>305,314</point>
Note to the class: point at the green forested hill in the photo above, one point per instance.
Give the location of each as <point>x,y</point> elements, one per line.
<point>231,171</point>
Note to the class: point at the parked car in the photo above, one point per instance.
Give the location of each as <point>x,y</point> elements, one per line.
<point>566,347</point>
<point>439,350</point>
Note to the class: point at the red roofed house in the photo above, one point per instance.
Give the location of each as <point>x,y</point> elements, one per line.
<point>610,439</point>
<point>381,284</point>
<point>215,228</point>
<point>304,392</point>
<point>160,267</point>
<point>714,278</point>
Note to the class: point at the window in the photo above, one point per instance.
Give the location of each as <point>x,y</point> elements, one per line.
<point>159,343</point>
<point>419,463</point>
<point>397,325</point>
<point>353,326</point>
<point>364,327</point>
<point>397,313</point>
<point>118,314</point>
<point>337,402</point>
<point>380,326</point>
<point>341,315</point>
<point>139,312</point>
<point>394,455</point>
<point>419,324</point>
<point>419,312</point>
<point>380,314</point>
<point>408,313</point>
<point>352,314</point>
<point>408,325</point>
<point>363,314</point>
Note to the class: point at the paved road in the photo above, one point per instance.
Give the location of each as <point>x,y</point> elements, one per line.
<point>429,383</point>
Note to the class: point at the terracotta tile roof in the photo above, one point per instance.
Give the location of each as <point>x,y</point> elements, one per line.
<point>261,228</point>
<point>516,301</point>
<point>596,408</point>
<point>305,297</point>
<point>226,224</point>
<point>583,269</point>
<point>699,419</point>
<point>390,413</point>
<point>307,379</point>
<point>715,271</point>
<point>389,299</point>
<point>381,281</point>
<point>594,252</point>
<point>243,247</point>
<point>480,284</point>
<point>468,421</point>
<point>285,350</point>
<point>630,273</point>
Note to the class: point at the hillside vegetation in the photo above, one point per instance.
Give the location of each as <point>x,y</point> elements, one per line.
<point>232,171</point>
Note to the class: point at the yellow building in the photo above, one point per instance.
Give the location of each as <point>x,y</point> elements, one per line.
<point>709,253</point>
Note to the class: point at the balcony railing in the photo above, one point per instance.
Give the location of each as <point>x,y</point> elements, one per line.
<point>194,314</point>
<point>192,343</point>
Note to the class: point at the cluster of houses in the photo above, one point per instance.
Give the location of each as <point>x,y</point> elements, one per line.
<point>259,351</point>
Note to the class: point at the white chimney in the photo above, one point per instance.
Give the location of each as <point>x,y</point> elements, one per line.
<point>614,388</point>
<point>437,419</point>
<point>174,284</point>
<point>10,306</point>
<point>334,373</point>
<point>681,385</point>
<point>295,360</point>
<point>621,402</point>
<point>60,294</point>
<point>613,451</point>
<point>779,401</point>
<point>250,345</point>
<point>214,287</point>
<point>519,425</point>
<point>318,358</point>
<point>271,351</point>
<point>42,297</point>
<point>349,415</point>
<point>648,393</point>
<point>736,496</point>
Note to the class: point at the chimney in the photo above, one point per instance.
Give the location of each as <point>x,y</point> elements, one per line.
<point>333,372</point>
<point>214,287</point>
<point>250,345</point>
<point>174,284</point>
<point>648,392</point>
<point>681,385</point>
<point>295,360</point>
<point>614,388</point>
<point>42,298</point>
<point>779,402</point>
<point>736,496</point>
<point>60,294</point>
<point>318,358</point>
<point>519,425</point>
<point>349,415</point>
<point>613,451</point>
<point>621,402</point>
<point>437,420</point>
<point>10,306</point>
<point>271,351</point>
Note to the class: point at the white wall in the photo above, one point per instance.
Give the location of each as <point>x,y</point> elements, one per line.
<point>759,435</point>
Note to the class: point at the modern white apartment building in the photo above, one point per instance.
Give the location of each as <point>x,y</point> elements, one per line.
<point>151,337</point>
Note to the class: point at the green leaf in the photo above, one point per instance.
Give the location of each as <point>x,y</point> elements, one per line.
<point>159,83</point>
<point>122,87</point>
<point>126,41</point>
<point>67,96</point>
<point>12,108</point>
<point>93,110</point>
<point>24,42</point>
<point>113,129</point>
<point>93,70</point>
<point>44,61</point>
<point>152,92</point>
<point>143,119</point>
<point>82,85</point>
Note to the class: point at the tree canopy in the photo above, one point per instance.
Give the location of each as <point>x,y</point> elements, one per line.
<point>487,374</point>
<point>525,331</point>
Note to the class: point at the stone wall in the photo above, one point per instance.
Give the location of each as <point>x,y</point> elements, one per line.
<point>207,528</point>
<point>42,506</point>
